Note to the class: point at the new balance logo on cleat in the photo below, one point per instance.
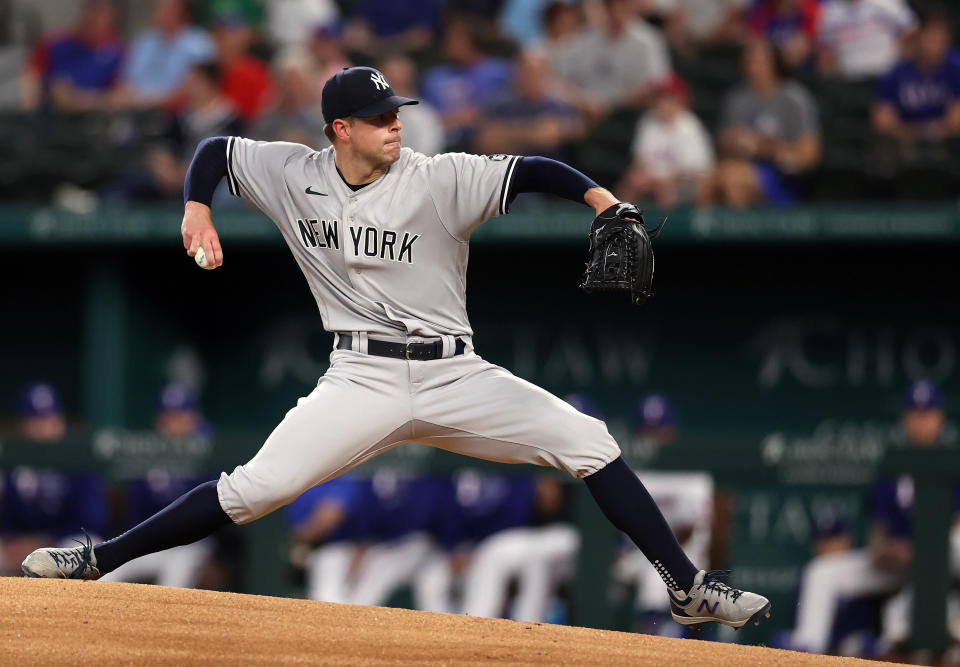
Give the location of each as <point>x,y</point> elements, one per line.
<point>706,605</point>
<point>711,600</point>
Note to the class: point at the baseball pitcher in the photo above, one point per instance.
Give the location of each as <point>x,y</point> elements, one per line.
<point>382,234</point>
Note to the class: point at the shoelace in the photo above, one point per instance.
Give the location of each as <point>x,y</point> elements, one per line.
<point>713,581</point>
<point>82,559</point>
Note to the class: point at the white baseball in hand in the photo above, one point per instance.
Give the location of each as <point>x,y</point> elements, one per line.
<point>200,258</point>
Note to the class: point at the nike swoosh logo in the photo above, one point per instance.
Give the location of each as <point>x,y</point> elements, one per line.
<point>310,191</point>
<point>677,600</point>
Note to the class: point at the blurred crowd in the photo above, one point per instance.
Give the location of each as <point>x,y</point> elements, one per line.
<point>671,102</point>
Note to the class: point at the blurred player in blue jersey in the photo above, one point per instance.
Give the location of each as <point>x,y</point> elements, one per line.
<point>534,548</point>
<point>514,532</point>
<point>41,505</point>
<point>686,500</point>
<point>883,566</point>
<point>178,417</point>
<point>405,520</point>
<point>326,524</point>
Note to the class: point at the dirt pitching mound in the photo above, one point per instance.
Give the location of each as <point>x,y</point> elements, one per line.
<point>80,622</point>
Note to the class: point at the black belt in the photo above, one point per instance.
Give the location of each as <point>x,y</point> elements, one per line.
<point>414,351</point>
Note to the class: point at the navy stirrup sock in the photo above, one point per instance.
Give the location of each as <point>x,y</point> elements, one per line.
<point>189,518</point>
<point>627,504</point>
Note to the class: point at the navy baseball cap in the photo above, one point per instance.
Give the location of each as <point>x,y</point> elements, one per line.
<point>40,399</point>
<point>360,92</point>
<point>176,397</point>
<point>654,411</point>
<point>923,395</point>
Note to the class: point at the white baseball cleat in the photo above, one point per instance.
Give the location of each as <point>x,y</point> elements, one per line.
<point>69,563</point>
<point>710,599</point>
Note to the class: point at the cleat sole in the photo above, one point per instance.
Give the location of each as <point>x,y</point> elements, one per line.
<point>764,613</point>
<point>688,621</point>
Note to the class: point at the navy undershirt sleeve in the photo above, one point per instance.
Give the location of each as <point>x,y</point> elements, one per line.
<point>209,165</point>
<point>541,174</point>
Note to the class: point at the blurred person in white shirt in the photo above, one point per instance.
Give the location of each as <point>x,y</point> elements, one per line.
<point>860,39</point>
<point>689,24</point>
<point>291,22</point>
<point>672,151</point>
<point>562,23</point>
<point>615,65</point>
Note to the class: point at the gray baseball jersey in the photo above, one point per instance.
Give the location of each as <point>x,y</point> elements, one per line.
<point>390,258</point>
<point>389,262</point>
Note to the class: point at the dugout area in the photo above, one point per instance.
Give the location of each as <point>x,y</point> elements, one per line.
<point>84,623</point>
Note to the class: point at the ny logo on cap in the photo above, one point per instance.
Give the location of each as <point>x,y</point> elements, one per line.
<point>379,80</point>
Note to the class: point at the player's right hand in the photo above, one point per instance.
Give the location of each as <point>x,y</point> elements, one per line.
<point>198,232</point>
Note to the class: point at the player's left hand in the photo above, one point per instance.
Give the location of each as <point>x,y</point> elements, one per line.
<point>198,232</point>
<point>620,256</point>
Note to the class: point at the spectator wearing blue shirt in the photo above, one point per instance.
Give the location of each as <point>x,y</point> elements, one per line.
<point>458,90</point>
<point>790,25</point>
<point>77,71</point>
<point>162,55</point>
<point>528,119</point>
<point>523,20</point>
<point>920,97</point>
<point>380,27</point>
<point>45,506</point>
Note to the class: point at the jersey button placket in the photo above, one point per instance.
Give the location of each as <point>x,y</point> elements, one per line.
<point>349,219</point>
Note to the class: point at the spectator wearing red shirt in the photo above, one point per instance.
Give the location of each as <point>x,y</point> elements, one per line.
<point>790,25</point>
<point>246,78</point>
<point>78,70</point>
